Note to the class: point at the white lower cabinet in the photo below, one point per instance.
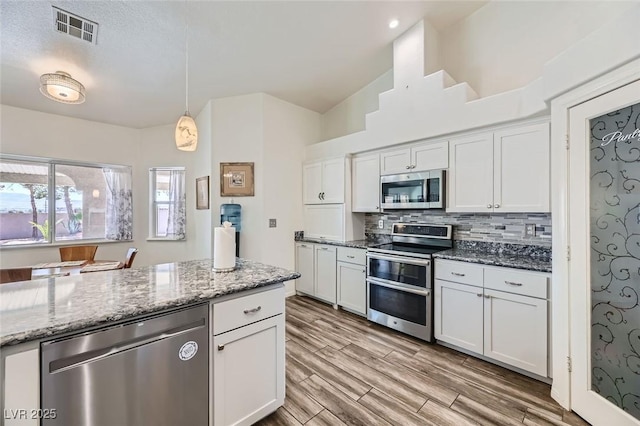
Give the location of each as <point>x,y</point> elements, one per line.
<point>509,326</point>
<point>458,315</point>
<point>248,372</point>
<point>352,279</point>
<point>316,264</point>
<point>21,371</point>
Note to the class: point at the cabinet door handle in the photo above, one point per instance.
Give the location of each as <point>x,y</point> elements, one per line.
<point>408,167</point>
<point>319,197</point>
<point>457,274</point>
<point>221,347</point>
<point>513,283</point>
<point>497,206</point>
<point>488,206</point>
<point>479,294</point>
<point>323,196</point>
<point>413,166</point>
<point>252,311</point>
<point>486,296</point>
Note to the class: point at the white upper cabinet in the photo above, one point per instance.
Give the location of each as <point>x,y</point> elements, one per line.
<point>471,174</point>
<point>323,182</point>
<point>395,161</point>
<point>365,181</point>
<point>504,171</point>
<point>430,156</point>
<point>521,169</point>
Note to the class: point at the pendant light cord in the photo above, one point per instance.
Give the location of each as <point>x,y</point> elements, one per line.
<point>186,38</point>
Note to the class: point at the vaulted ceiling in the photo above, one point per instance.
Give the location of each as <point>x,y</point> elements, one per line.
<point>310,53</point>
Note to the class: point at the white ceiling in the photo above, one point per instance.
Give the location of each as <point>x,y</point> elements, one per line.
<point>311,53</point>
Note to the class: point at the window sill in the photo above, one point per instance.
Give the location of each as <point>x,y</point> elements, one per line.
<point>166,239</point>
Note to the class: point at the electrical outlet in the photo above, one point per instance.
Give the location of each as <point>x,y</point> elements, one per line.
<point>530,230</point>
<point>380,224</point>
<point>272,223</point>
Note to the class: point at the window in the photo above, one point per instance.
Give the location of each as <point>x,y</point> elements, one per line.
<point>167,207</point>
<point>44,201</point>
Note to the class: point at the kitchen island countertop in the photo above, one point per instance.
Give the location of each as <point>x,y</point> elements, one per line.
<point>43,308</point>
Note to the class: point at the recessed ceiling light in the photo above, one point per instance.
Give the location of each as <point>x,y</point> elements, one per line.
<point>393,23</point>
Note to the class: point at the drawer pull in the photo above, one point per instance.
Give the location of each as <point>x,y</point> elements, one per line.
<point>479,294</point>
<point>303,245</point>
<point>351,257</point>
<point>457,274</point>
<point>486,296</point>
<point>252,311</point>
<point>324,248</point>
<point>513,283</point>
<point>221,347</point>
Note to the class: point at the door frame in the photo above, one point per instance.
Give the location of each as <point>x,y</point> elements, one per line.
<point>560,306</point>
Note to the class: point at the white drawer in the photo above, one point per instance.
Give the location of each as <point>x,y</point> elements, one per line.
<point>459,272</point>
<point>352,255</point>
<point>526,283</point>
<point>235,313</point>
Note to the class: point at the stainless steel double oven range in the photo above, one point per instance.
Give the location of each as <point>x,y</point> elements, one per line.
<point>400,278</point>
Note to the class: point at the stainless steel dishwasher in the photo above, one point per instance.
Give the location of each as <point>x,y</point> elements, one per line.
<point>152,371</point>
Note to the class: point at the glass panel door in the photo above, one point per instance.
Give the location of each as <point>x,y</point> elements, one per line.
<point>614,173</point>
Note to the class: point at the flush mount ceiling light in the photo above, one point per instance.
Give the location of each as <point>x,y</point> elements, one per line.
<point>393,23</point>
<point>186,131</point>
<point>60,87</point>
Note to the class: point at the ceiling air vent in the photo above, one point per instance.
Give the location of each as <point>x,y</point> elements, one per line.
<point>74,25</point>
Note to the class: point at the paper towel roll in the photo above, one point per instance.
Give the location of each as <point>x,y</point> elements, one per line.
<point>224,247</point>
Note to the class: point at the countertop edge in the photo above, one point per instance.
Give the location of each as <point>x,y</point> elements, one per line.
<point>63,329</point>
<point>496,261</point>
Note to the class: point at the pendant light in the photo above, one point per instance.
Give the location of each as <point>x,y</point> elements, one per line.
<point>186,131</point>
<point>60,87</point>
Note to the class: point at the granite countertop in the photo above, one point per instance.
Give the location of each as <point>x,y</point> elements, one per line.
<point>528,261</point>
<point>42,308</point>
<point>363,244</point>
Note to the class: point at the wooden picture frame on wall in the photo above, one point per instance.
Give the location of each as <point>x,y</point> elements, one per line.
<point>202,193</point>
<point>236,180</point>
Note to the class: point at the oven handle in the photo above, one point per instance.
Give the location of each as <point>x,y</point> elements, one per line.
<point>410,261</point>
<point>399,287</point>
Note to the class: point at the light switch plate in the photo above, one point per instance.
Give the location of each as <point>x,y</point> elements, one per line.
<point>272,223</point>
<point>380,224</point>
<point>530,230</point>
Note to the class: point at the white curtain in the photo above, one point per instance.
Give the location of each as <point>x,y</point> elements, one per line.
<point>177,218</point>
<point>119,215</point>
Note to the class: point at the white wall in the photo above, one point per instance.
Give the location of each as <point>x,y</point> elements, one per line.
<point>158,149</point>
<point>272,134</point>
<point>504,45</point>
<point>349,115</point>
<point>287,130</point>
<point>236,136</point>
<point>26,132</point>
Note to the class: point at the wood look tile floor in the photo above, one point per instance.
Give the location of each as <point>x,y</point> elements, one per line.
<point>343,370</point>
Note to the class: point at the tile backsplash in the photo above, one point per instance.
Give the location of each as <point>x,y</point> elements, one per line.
<point>489,227</point>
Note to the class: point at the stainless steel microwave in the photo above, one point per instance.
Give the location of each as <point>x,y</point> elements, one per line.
<point>419,190</point>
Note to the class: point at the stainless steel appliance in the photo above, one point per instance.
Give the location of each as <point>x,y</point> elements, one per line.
<point>422,190</point>
<point>152,371</point>
<point>400,278</point>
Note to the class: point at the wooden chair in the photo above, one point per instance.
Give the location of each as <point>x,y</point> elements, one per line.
<point>77,253</point>
<point>14,274</point>
<point>131,254</point>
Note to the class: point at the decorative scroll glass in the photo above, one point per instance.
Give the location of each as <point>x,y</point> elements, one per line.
<point>615,257</point>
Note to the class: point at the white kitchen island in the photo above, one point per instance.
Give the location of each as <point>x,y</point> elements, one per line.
<point>244,336</point>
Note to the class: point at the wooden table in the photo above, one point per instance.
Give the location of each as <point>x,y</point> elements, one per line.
<point>71,270</point>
